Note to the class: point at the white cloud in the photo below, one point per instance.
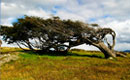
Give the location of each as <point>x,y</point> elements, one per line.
<point>11,10</point>
<point>122,46</point>
<point>38,12</point>
<point>68,15</point>
<point>7,21</point>
<point>36,3</point>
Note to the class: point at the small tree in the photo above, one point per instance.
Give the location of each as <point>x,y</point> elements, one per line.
<point>43,34</point>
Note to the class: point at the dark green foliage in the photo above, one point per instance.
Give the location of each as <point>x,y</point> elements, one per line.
<point>48,32</point>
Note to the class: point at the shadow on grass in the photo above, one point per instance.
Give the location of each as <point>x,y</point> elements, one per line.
<point>62,53</point>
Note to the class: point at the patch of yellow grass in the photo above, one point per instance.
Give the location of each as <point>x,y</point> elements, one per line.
<point>8,49</point>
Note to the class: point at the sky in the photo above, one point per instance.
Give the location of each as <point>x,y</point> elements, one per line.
<point>114,14</point>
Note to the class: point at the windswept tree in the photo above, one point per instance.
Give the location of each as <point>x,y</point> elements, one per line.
<point>44,34</point>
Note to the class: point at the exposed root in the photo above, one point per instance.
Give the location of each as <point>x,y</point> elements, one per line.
<point>121,54</point>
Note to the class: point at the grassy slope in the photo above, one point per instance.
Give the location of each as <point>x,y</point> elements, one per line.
<point>80,65</point>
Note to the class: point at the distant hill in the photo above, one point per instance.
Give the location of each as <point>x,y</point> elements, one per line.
<point>126,51</point>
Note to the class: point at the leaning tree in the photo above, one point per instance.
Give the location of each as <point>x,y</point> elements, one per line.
<point>37,33</point>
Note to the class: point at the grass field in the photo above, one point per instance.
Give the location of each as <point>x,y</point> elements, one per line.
<point>77,65</point>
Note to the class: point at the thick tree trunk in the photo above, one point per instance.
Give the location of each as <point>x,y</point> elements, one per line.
<point>107,52</point>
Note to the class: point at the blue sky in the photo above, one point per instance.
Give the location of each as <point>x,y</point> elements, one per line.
<point>107,13</point>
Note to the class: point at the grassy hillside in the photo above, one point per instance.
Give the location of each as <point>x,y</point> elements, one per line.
<point>77,65</point>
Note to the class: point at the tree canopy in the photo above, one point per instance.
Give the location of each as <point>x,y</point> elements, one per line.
<point>37,33</point>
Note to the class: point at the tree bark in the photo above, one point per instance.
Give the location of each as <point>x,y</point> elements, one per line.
<point>107,52</point>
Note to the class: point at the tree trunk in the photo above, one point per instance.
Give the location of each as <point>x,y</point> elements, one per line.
<point>21,47</point>
<point>107,52</point>
<point>29,45</point>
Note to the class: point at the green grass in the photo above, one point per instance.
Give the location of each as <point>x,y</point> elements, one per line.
<point>77,65</point>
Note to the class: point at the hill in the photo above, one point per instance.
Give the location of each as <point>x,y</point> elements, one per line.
<point>76,65</point>
<point>126,51</point>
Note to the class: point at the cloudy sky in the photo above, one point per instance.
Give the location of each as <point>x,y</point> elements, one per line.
<point>107,13</point>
